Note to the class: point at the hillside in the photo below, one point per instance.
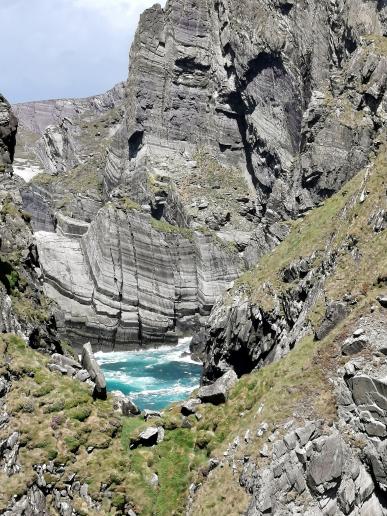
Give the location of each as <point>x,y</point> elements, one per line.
<point>234,188</point>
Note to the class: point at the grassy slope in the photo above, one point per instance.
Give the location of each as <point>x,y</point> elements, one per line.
<point>341,219</point>
<point>295,387</point>
<point>39,398</point>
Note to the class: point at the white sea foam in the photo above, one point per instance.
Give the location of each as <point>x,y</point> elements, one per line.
<point>159,355</point>
<point>177,389</point>
<point>124,369</point>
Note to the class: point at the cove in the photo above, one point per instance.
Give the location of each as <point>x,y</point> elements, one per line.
<point>153,378</point>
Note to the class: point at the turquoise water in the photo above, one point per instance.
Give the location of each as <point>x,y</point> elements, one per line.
<point>153,378</point>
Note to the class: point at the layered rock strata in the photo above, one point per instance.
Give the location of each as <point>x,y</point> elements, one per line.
<point>229,114</point>
<point>37,116</point>
<point>248,334</point>
<point>116,291</point>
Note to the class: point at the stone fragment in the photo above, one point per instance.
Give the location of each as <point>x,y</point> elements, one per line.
<point>82,375</point>
<point>149,437</point>
<point>326,465</point>
<point>354,345</point>
<point>129,408</point>
<point>90,364</point>
<point>217,393</point>
<point>375,429</point>
<point>149,414</point>
<point>58,368</point>
<point>190,406</point>
<point>336,311</point>
<point>382,300</point>
<point>66,361</point>
<point>3,387</point>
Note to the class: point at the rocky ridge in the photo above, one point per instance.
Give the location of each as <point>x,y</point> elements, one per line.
<point>257,333</point>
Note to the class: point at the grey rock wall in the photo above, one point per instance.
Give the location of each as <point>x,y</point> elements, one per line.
<point>8,128</point>
<point>235,118</point>
<point>37,116</point>
<point>117,291</point>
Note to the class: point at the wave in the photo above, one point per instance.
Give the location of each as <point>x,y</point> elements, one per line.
<point>159,355</point>
<point>127,378</point>
<point>177,389</point>
<point>152,377</point>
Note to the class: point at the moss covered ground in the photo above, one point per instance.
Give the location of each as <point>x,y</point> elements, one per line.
<point>341,227</point>
<point>58,421</point>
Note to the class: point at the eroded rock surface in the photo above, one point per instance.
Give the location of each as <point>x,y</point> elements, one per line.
<point>116,290</point>
<point>229,114</point>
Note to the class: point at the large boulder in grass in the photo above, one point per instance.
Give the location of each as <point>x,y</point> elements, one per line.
<point>190,406</point>
<point>149,437</point>
<point>217,393</point>
<point>125,405</point>
<point>96,375</point>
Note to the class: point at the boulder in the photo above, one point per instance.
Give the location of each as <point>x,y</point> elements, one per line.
<point>354,345</point>
<point>148,437</point>
<point>64,361</point>
<point>149,414</point>
<point>335,313</point>
<point>125,405</point>
<point>382,300</point>
<point>190,406</point>
<point>82,375</point>
<point>217,393</point>
<point>58,369</point>
<point>96,375</point>
<point>3,387</point>
<point>129,408</point>
<point>369,392</point>
<point>326,462</point>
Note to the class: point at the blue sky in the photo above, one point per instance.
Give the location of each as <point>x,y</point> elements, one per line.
<point>65,48</point>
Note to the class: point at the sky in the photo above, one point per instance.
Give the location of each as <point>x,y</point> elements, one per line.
<point>65,48</point>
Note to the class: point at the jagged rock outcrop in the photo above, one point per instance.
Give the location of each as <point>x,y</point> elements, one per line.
<point>8,128</point>
<point>247,334</point>
<point>96,375</point>
<point>333,470</point>
<point>329,462</point>
<point>23,308</point>
<point>312,470</point>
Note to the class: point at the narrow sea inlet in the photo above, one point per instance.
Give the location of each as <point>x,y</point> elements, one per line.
<point>153,378</point>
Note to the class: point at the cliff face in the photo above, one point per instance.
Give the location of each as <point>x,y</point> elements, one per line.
<point>251,134</point>
<point>257,89</point>
<point>235,119</point>
<point>8,128</point>
<point>115,290</point>
<point>342,125</point>
<point>23,308</point>
<point>35,117</point>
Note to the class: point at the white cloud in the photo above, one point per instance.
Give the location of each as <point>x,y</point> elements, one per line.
<point>120,14</point>
<point>66,48</point>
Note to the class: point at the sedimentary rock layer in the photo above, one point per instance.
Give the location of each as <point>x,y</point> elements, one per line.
<point>37,116</point>
<point>236,118</point>
<point>125,283</point>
